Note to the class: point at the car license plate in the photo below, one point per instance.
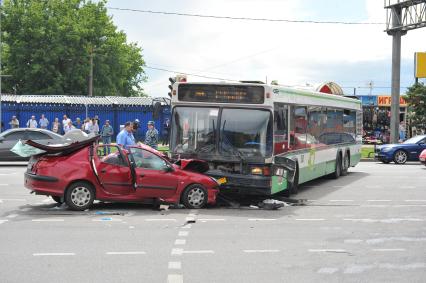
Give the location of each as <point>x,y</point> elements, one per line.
<point>222,181</point>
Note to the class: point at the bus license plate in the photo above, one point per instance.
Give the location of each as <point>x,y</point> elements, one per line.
<point>222,181</point>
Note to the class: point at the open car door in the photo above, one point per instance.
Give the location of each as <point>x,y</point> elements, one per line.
<point>113,169</point>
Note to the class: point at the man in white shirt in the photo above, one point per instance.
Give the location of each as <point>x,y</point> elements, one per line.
<point>65,121</point>
<point>32,123</point>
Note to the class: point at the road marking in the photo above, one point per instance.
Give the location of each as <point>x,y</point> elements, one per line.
<point>378,200</point>
<point>53,254</point>
<point>388,220</point>
<point>211,219</point>
<point>48,220</point>
<point>406,187</point>
<point>310,219</point>
<point>199,252</point>
<point>261,219</point>
<point>131,227</point>
<point>177,251</point>
<point>327,250</point>
<point>4,184</point>
<point>26,209</point>
<point>375,205</point>
<point>410,205</point>
<point>341,200</point>
<point>174,278</point>
<point>327,270</point>
<point>187,226</point>
<point>261,251</point>
<point>183,233</point>
<point>175,265</point>
<point>13,199</point>
<point>12,215</point>
<point>388,250</point>
<point>160,219</point>
<point>3,221</point>
<point>126,253</point>
<point>415,200</point>
<point>180,242</point>
<point>107,219</point>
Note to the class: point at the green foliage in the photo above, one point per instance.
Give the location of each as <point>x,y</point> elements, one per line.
<point>47,46</point>
<point>416,99</point>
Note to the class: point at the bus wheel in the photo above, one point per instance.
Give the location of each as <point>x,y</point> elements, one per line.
<point>293,187</point>
<point>345,165</point>
<point>338,169</point>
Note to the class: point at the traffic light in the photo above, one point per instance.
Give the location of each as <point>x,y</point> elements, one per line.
<point>172,81</point>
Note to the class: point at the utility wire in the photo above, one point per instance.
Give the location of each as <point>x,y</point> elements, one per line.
<point>243,18</point>
<point>189,74</point>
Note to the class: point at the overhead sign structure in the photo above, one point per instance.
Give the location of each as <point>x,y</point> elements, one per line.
<point>420,65</point>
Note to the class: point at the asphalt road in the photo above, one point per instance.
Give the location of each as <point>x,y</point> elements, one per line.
<point>369,226</point>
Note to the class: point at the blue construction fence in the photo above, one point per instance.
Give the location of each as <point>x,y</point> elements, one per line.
<point>116,114</point>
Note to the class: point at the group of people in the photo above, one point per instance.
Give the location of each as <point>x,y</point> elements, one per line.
<point>126,137</point>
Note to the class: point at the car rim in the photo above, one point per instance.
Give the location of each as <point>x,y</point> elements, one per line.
<point>401,157</point>
<point>196,197</point>
<point>80,196</point>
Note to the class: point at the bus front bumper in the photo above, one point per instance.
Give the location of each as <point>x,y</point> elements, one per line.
<point>242,184</point>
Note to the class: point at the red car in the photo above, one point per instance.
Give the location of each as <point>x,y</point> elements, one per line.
<point>82,172</point>
<point>422,157</point>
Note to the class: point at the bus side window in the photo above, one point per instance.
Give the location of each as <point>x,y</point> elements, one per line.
<point>280,128</point>
<point>300,125</point>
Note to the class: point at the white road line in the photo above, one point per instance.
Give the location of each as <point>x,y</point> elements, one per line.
<point>410,205</point>
<point>183,233</point>
<point>177,251</point>
<point>3,221</point>
<point>378,200</point>
<point>48,220</point>
<point>388,250</point>
<point>126,253</point>
<point>175,265</point>
<point>53,254</point>
<point>160,219</point>
<point>406,187</point>
<point>326,250</point>
<point>107,219</point>
<point>4,184</point>
<point>12,215</point>
<point>310,219</point>
<point>415,200</point>
<point>180,242</point>
<point>199,252</point>
<point>261,251</point>
<point>211,219</point>
<point>261,219</point>
<point>174,278</point>
<point>341,200</point>
<point>25,209</point>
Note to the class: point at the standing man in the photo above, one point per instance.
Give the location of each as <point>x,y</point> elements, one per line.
<point>125,138</point>
<point>43,122</point>
<point>135,129</point>
<point>65,122</point>
<point>77,124</point>
<point>151,136</point>
<point>166,132</point>
<point>32,123</point>
<point>14,123</point>
<point>106,133</point>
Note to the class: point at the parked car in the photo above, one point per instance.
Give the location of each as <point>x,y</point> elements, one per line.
<point>409,150</point>
<point>81,172</point>
<point>9,138</point>
<point>422,157</point>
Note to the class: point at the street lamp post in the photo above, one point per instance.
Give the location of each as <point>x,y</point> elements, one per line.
<point>91,74</point>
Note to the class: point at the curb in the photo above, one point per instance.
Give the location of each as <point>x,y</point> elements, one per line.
<point>368,160</point>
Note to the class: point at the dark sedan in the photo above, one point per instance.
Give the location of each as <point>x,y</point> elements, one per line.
<point>9,138</point>
<point>403,152</point>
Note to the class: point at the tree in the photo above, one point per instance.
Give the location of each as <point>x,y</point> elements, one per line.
<point>48,45</point>
<point>416,99</point>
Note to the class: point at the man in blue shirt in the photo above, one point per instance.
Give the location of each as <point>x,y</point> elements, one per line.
<point>125,137</point>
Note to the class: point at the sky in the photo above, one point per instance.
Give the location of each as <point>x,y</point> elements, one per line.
<point>294,54</point>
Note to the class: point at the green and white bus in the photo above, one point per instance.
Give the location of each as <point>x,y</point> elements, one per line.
<point>265,139</point>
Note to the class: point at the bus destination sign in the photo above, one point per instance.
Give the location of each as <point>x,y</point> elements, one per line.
<point>221,93</point>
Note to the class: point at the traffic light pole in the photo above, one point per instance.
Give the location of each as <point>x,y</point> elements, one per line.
<point>396,82</point>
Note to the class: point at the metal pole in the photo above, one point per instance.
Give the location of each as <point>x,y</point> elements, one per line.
<point>91,74</point>
<point>1,10</point>
<point>396,76</point>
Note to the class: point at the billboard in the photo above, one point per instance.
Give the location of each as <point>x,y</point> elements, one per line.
<point>420,64</point>
<point>385,100</point>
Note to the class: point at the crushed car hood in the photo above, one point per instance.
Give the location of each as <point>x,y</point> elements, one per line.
<point>193,165</point>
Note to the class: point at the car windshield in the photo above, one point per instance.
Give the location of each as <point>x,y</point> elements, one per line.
<point>246,133</point>
<point>415,139</point>
<point>194,129</point>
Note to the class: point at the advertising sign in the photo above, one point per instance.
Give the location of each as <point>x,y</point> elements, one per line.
<point>385,100</point>
<point>420,65</point>
<point>369,100</point>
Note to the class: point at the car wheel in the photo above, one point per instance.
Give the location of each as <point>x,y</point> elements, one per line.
<point>80,196</point>
<point>400,157</point>
<point>57,199</point>
<point>194,196</point>
<point>345,165</point>
<point>338,168</point>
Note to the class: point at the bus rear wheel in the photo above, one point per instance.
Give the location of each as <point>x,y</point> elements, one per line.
<point>345,164</point>
<point>338,168</point>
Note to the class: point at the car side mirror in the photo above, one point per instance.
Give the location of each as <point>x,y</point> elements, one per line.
<point>168,168</point>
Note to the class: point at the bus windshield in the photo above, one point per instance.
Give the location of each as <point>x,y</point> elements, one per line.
<point>246,132</point>
<point>241,133</point>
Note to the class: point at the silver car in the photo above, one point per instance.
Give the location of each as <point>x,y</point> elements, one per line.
<point>9,138</point>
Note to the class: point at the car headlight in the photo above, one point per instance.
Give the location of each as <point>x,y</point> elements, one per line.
<point>386,149</point>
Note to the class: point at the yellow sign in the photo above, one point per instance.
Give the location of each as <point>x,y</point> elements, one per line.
<point>385,100</point>
<point>420,64</point>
